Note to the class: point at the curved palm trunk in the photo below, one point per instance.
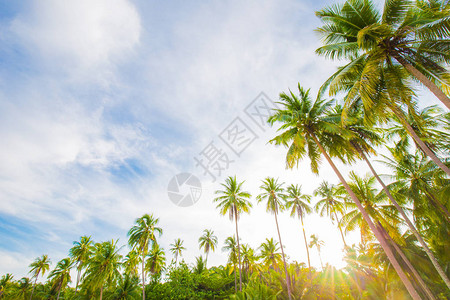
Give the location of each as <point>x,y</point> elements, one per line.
<point>408,263</point>
<point>284,259</point>
<point>239,252</point>
<point>59,289</point>
<point>424,80</point>
<point>419,141</point>
<point>306,243</point>
<point>78,277</point>
<point>34,286</point>
<point>340,229</point>
<point>143,276</point>
<point>408,222</point>
<point>366,217</point>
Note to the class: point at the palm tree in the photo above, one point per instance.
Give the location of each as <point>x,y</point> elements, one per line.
<point>270,254</point>
<point>413,34</point>
<point>127,288</point>
<point>371,77</point>
<point>315,242</point>
<point>61,274</point>
<point>80,252</point>
<point>39,267</point>
<point>231,247</point>
<point>177,249</point>
<point>248,259</point>
<point>299,205</point>
<point>273,194</point>
<point>131,262</point>
<point>4,282</point>
<point>23,287</point>
<point>139,237</point>
<point>156,261</point>
<point>233,200</point>
<point>103,266</point>
<point>208,241</point>
<point>329,204</point>
<point>308,131</point>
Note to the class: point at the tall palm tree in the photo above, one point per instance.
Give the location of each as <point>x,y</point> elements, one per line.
<point>140,236</point>
<point>156,261</point>
<point>270,254</point>
<point>413,34</point>
<point>329,204</point>
<point>4,281</point>
<point>273,194</point>
<point>233,200</point>
<point>299,205</point>
<point>308,131</point>
<point>371,77</point>
<point>80,252</point>
<point>177,249</point>
<point>61,274</point>
<point>39,267</point>
<point>231,247</point>
<point>103,267</point>
<point>316,242</point>
<point>208,241</point>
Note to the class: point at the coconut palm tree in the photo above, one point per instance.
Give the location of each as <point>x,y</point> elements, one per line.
<point>156,261</point>
<point>413,34</point>
<point>230,246</point>
<point>270,254</point>
<point>4,281</point>
<point>39,267</point>
<point>208,241</point>
<point>23,288</point>
<point>177,249</point>
<point>140,236</point>
<point>248,259</point>
<point>371,78</point>
<point>330,204</point>
<point>232,199</point>
<point>61,274</point>
<point>80,252</point>
<point>103,266</point>
<point>315,242</point>
<point>273,194</point>
<point>127,288</point>
<point>308,131</point>
<point>131,262</point>
<point>299,205</point>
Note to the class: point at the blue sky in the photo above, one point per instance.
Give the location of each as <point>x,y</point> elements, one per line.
<point>102,102</point>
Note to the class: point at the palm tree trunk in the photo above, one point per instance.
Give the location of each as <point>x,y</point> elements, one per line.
<point>340,229</point>
<point>366,217</point>
<point>101,292</point>
<point>408,263</point>
<point>424,80</point>
<point>34,286</point>
<point>235,280</point>
<point>78,277</point>
<point>59,289</point>
<point>408,222</point>
<point>206,260</point>
<point>418,140</point>
<point>284,259</point>
<point>320,257</point>
<point>239,251</point>
<point>306,243</point>
<point>143,276</point>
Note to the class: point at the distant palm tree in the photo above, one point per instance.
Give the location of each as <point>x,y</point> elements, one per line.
<point>315,242</point>
<point>127,288</point>
<point>23,288</point>
<point>329,204</point>
<point>39,267</point>
<point>231,247</point>
<point>3,282</point>
<point>139,237</point>
<point>156,261</point>
<point>61,274</point>
<point>248,259</point>
<point>132,259</point>
<point>270,254</point>
<point>299,205</point>
<point>177,249</point>
<point>80,252</point>
<point>103,266</point>
<point>233,200</point>
<point>273,193</point>
<point>208,241</point>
